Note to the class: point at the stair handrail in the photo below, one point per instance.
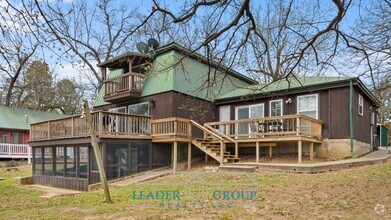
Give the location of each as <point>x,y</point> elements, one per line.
<point>220,133</point>
<point>206,130</point>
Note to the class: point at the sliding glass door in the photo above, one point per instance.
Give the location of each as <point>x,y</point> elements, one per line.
<point>246,112</point>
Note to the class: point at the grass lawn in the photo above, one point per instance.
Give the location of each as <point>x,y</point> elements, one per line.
<point>345,194</point>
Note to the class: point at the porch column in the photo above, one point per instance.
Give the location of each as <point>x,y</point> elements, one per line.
<point>299,151</point>
<point>270,151</point>
<point>257,152</point>
<point>175,156</point>
<point>236,150</point>
<point>312,151</point>
<point>189,155</point>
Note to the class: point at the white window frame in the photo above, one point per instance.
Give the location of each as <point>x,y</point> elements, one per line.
<point>224,128</point>
<point>317,104</point>
<point>249,109</point>
<point>142,103</point>
<point>270,106</point>
<point>360,105</point>
<point>229,112</point>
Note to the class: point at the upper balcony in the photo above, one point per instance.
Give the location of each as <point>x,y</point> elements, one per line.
<point>124,87</point>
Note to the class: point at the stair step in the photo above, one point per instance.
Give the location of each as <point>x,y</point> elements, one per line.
<point>231,160</point>
<point>237,168</point>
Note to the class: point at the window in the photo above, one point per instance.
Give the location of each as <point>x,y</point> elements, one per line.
<point>308,105</point>
<point>48,161</point>
<point>37,161</point>
<point>16,138</point>
<point>224,115</point>
<point>276,107</point>
<point>4,138</point>
<point>139,109</point>
<point>360,105</point>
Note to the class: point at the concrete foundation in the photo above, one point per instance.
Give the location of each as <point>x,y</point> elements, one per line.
<point>340,148</point>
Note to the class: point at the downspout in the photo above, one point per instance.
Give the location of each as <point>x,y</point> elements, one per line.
<point>351,115</point>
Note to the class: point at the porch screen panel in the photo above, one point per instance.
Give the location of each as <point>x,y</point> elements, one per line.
<point>83,162</point>
<point>37,161</point>
<point>48,161</point>
<point>59,164</point>
<point>71,162</point>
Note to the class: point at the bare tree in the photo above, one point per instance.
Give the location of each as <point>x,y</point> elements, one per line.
<point>278,38</point>
<point>17,47</point>
<point>85,33</point>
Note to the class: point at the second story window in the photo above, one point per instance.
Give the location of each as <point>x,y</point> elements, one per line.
<point>139,109</point>
<point>360,105</point>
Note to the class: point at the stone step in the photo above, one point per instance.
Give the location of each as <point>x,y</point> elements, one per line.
<point>237,168</point>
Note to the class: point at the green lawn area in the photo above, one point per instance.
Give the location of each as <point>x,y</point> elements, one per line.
<point>346,194</point>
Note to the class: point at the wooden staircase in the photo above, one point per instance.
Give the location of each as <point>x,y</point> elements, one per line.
<point>213,144</point>
<point>213,149</point>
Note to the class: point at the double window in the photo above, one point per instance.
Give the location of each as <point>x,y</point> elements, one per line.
<point>308,105</point>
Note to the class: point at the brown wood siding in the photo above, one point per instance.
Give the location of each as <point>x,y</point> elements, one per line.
<point>62,182</point>
<point>339,113</point>
<point>333,107</point>
<point>362,124</point>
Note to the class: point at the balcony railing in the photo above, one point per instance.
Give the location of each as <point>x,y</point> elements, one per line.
<point>129,82</point>
<point>285,125</point>
<point>104,123</point>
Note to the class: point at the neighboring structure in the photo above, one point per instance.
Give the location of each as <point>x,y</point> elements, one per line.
<point>14,130</point>
<point>153,108</point>
<point>382,135</point>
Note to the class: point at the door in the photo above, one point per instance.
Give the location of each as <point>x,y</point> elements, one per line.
<point>242,113</point>
<point>246,112</point>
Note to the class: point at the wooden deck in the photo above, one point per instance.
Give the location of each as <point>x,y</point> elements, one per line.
<point>257,132</point>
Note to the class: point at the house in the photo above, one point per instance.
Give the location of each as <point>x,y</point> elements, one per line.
<point>14,130</point>
<point>155,109</point>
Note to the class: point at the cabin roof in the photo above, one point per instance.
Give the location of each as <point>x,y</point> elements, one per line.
<point>300,83</point>
<point>14,118</point>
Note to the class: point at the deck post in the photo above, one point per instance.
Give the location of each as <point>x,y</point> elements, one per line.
<point>206,157</point>
<point>270,151</point>
<point>28,155</point>
<point>222,150</point>
<point>189,155</point>
<point>236,150</point>
<point>299,151</point>
<point>257,152</point>
<point>175,155</point>
<point>312,151</point>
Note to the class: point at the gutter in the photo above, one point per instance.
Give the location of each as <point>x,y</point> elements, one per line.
<point>351,115</point>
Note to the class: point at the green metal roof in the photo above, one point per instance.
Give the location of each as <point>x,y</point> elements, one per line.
<point>14,118</point>
<point>172,71</point>
<point>283,85</point>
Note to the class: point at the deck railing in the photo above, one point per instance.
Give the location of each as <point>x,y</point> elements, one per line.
<point>270,126</point>
<point>171,127</point>
<point>15,151</point>
<point>129,82</point>
<point>109,123</point>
